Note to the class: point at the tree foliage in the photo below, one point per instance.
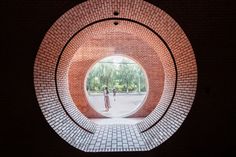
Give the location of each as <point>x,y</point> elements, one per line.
<point>125,76</point>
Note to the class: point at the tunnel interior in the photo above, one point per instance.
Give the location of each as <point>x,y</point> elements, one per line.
<point>149,36</point>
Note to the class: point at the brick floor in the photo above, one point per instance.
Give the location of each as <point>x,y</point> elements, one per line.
<point>104,121</point>
<point>116,137</point>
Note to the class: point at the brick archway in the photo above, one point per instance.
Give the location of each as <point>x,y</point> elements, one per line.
<point>120,110</point>
<point>148,23</point>
<point>110,43</point>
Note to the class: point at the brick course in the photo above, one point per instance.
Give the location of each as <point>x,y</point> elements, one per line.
<point>107,44</point>
<point>70,123</point>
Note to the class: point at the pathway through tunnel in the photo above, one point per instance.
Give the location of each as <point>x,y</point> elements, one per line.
<point>124,63</point>
<point>116,86</point>
<point>153,72</point>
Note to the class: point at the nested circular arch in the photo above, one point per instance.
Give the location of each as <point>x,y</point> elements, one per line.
<point>135,47</point>
<point>149,23</point>
<point>118,110</point>
<point>158,50</point>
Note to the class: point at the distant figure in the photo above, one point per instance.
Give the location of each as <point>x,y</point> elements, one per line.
<point>106,99</point>
<point>114,93</point>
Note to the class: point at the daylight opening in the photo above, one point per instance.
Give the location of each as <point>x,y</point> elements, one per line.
<point>116,86</point>
<point>70,92</point>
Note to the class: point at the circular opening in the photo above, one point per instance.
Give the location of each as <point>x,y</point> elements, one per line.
<point>116,23</point>
<point>116,86</point>
<point>52,89</point>
<point>116,13</point>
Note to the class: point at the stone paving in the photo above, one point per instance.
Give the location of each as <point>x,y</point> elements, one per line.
<point>121,105</point>
<point>105,121</point>
<point>115,138</point>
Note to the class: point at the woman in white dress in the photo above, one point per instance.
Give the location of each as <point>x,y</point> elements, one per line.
<point>106,99</point>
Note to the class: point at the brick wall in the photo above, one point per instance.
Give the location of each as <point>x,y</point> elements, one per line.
<point>57,49</point>
<point>115,43</point>
<point>144,35</point>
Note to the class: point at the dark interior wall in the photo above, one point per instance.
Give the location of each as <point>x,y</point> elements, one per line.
<point>208,129</point>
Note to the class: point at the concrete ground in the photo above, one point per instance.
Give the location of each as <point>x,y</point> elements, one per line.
<point>107,121</point>
<point>121,105</point>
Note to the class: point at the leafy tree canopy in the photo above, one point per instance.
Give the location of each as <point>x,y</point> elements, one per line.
<point>117,72</point>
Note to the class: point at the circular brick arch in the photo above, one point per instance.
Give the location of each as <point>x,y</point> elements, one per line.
<point>147,22</point>
<point>106,26</point>
<point>133,112</point>
<point>113,43</point>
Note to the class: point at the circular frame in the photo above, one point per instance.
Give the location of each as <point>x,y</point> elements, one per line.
<point>146,81</point>
<point>169,61</point>
<point>69,123</point>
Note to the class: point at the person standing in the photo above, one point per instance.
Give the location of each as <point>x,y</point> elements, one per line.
<point>106,99</point>
<point>114,93</point>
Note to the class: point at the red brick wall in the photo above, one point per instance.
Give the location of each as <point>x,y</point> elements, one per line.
<point>70,123</point>
<point>110,44</point>
<point>141,32</point>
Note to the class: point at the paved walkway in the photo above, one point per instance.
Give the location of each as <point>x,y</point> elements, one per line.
<point>121,105</point>
<point>116,134</point>
<point>117,137</point>
<point>106,121</point>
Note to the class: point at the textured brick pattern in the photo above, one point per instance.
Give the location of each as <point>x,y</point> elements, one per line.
<point>73,128</point>
<point>117,138</point>
<point>147,60</point>
<point>107,44</point>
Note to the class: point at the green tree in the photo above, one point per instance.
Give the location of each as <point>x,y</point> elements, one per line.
<point>124,76</point>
